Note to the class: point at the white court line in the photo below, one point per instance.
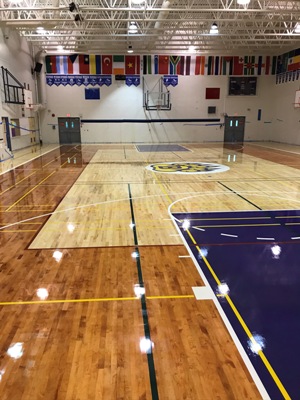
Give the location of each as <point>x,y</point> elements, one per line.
<point>295,237</point>
<point>227,234</point>
<point>203,293</point>
<point>261,238</point>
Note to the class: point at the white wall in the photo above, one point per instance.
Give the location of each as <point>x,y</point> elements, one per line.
<point>188,101</point>
<point>286,118</point>
<point>16,56</point>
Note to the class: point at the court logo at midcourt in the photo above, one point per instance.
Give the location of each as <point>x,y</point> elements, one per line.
<point>187,168</point>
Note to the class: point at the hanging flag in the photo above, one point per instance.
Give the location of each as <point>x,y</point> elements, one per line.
<point>106,65</point>
<point>274,65</point>
<point>132,65</point>
<point>226,65</point>
<point>174,65</point>
<point>199,65</point>
<point>163,65</point>
<point>217,65</point>
<point>187,69</point>
<point>293,63</point>
<point>92,59</point>
<point>51,65</point>
<point>62,65</point>
<point>118,65</point>
<point>238,65</point>
<point>148,65</point>
<point>210,65</point>
<point>170,80</point>
<point>267,65</point>
<point>84,61</point>
<point>73,64</point>
<point>133,80</point>
<point>249,65</point>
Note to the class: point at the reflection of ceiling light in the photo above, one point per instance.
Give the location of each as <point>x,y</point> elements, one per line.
<point>223,289</point>
<point>131,225</point>
<point>15,350</point>
<point>132,28</point>
<point>70,227</point>
<point>42,293</point>
<point>243,2</point>
<point>57,255</point>
<point>135,254</point>
<point>256,343</point>
<point>186,224</point>
<point>146,345</point>
<point>139,290</point>
<point>214,29</point>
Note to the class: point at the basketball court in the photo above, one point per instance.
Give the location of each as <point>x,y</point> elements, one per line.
<point>159,274</point>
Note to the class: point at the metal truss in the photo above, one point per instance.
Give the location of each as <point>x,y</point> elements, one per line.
<point>163,26</point>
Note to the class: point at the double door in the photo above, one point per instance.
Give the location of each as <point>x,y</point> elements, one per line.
<point>234,129</point>
<point>69,130</point>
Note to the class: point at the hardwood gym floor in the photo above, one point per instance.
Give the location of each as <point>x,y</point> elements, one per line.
<point>83,230</point>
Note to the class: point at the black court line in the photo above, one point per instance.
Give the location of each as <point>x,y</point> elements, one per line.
<point>244,198</point>
<point>150,358</point>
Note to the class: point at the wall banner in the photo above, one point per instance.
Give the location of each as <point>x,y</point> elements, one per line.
<point>133,80</point>
<point>170,80</point>
<point>78,80</point>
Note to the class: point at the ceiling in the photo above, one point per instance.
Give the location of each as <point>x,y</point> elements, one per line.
<point>163,26</point>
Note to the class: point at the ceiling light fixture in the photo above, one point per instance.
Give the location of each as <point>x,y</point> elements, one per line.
<point>72,6</point>
<point>132,28</point>
<point>214,29</point>
<point>129,50</point>
<point>297,28</point>
<point>243,2</point>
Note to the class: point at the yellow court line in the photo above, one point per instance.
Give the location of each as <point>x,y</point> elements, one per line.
<point>184,296</point>
<point>243,324</point>
<point>16,183</point>
<point>101,299</point>
<point>9,208</point>
<point>162,187</point>
<point>233,226</point>
<point>224,219</point>
<point>20,230</point>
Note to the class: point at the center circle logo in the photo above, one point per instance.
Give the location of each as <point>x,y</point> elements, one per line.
<point>187,168</point>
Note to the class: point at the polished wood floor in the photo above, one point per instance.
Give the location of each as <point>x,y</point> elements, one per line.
<point>71,322</point>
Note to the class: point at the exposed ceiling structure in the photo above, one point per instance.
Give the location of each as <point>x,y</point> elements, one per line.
<point>156,26</point>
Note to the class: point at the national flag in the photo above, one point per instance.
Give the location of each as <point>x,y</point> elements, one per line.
<point>274,65</point>
<point>187,69</point>
<point>174,65</point>
<point>95,64</point>
<point>118,65</point>
<point>238,65</point>
<point>249,65</point>
<point>132,65</point>
<point>106,65</point>
<point>84,64</point>
<point>199,65</point>
<point>217,65</point>
<point>226,65</point>
<point>267,65</point>
<point>51,65</point>
<point>62,65</point>
<point>148,65</point>
<point>210,65</point>
<point>73,64</point>
<point>163,65</point>
<point>294,63</point>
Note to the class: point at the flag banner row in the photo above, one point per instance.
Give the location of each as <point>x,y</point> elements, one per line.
<point>91,64</point>
<point>132,80</point>
<point>80,64</point>
<point>78,80</point>
<point>288,76</point>
<point>170,80</point>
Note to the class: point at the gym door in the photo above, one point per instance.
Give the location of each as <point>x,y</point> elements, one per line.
<point>234,129</point>
<point>69,130</point>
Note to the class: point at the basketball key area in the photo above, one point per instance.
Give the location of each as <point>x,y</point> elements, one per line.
<point>249,260</point>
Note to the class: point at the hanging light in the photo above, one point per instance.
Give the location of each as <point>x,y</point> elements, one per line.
<point>243,2</point>
<point>214,29</point>
<point>132,28</point>
<point>129,50</point>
